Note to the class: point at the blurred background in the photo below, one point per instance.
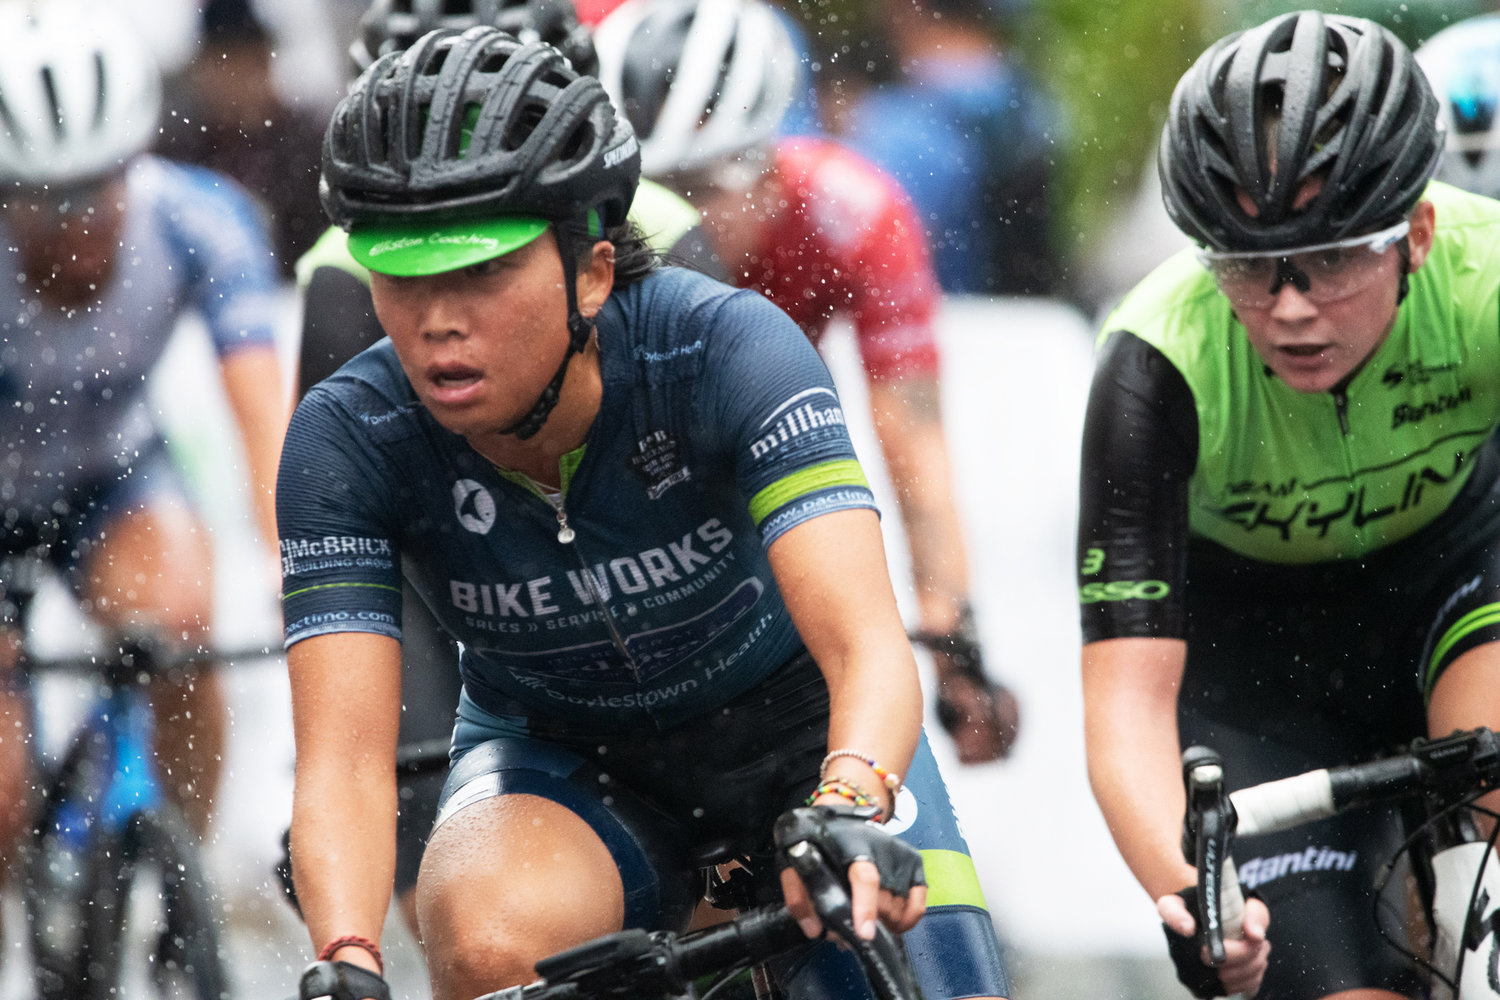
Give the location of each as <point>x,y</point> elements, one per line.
<point>1056,106</point>
<point>1044,115</point>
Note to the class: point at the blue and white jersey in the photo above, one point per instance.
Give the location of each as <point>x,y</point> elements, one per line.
<point>642,594</point>
<point>73,381</point>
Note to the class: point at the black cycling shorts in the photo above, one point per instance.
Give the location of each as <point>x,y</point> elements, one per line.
<point>1319,881</point>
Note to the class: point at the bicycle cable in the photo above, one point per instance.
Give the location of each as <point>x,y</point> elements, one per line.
<point>728,976</point>
<point>1387,870</point>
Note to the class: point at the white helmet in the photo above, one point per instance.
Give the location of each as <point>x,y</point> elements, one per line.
<point>1462,62</point>
<point>700,80</point>
<point>79,92</point>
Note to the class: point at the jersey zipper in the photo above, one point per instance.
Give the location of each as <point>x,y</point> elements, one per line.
<point>1341,410</point>
<point>567,536</point>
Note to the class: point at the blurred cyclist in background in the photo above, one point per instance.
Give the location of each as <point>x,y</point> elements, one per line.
<point>339,322</point>
<point>967,134</point>
<point>106,248</point>
<point>1463,65</point>
<point>227,115</point>
<point>820,232</point>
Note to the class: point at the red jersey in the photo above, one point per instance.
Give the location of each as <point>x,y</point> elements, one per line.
<point>849,242</point>
<point>591,12</point>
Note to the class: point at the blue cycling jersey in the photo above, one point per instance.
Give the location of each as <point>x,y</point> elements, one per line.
<point>641,594</point>
<point>73,381</point>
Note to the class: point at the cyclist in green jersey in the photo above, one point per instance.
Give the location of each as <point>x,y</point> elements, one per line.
<point>1290,478</point>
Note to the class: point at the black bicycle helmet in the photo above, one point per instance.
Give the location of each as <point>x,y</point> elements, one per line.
<point>475,125</point>
<point>393,25</point>
<point>1304,95</point>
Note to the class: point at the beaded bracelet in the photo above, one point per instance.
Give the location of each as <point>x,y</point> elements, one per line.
<point>353,941</point>
<point>847,790</point>
<point>889,780</point>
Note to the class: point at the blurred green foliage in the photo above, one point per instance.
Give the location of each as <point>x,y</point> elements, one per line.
<point>1111,64</point>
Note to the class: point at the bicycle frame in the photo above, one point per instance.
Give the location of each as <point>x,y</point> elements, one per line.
<point>105,809</point>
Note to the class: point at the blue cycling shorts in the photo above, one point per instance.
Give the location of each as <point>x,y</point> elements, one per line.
<point>723,779</point>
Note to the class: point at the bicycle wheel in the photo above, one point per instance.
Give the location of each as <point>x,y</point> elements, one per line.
<point>181,915</point>
<point>63,886</point>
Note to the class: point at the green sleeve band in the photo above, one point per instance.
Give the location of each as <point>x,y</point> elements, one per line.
<point>952,880</point>
<point>844,472</point>
<point>1479,618</point>
<point>331,586</point>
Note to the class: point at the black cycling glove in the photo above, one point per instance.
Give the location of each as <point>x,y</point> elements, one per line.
<point>845,834</point>
<point>1201,979</point>
<point>981,715</point>
<point>341,981</point>
<point>282,869</point>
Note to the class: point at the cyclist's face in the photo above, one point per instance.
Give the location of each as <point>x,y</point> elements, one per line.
<point>481,342</point>
<point>68,239</point>
<point>1318,316</point>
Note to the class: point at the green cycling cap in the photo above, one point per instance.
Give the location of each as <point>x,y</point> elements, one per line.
<point>411,249</point>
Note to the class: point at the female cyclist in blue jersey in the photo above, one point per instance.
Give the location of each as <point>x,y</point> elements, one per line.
<point>628,492</point>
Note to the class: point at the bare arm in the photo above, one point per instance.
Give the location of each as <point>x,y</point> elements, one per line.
<point>833,576</point>
<point>1135,767</point>
<point>255,389</point>
<point>1134,757</point>
<point>346,705</point>
<point>908,420</point>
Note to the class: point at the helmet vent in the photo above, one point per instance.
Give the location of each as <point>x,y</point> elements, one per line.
<point>434,65</point>
<point>580,141</point>
<point>527,118</point>
<point>49,85</point>
<point>8,121</point>
<point>99,94</point>
<point>493,62</point>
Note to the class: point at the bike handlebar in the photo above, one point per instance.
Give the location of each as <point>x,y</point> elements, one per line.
<point>639,964</point>
<point>1447,770</point>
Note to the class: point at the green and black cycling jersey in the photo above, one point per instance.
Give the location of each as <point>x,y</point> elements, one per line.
<point>1190,436</point>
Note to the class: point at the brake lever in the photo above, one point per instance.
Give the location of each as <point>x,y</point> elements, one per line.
<point>1208,826</point>
<point>883,958</point>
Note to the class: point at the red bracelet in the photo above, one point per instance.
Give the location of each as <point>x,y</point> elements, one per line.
<point>353,941</point>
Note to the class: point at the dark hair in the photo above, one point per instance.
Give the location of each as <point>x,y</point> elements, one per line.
<point>635,258</point>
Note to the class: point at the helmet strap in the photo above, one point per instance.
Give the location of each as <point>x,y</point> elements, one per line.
<point>580,327</point>
<point>1403,251</point>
